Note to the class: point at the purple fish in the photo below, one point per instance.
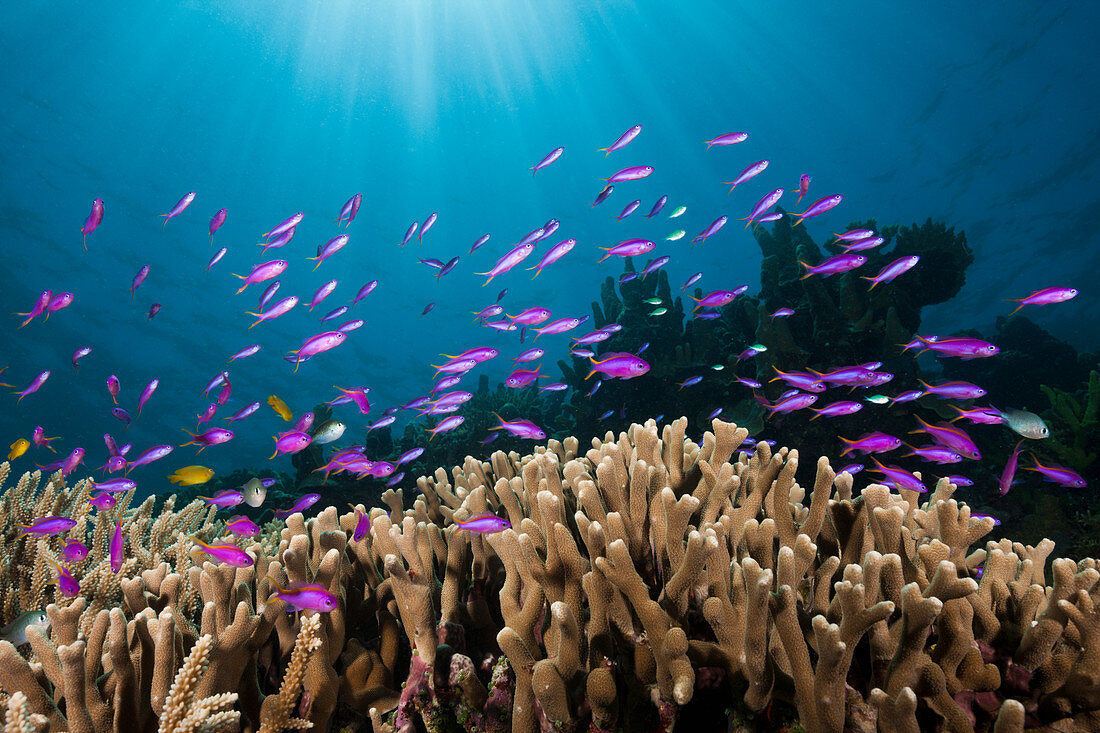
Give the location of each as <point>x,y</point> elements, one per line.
<point>322,292</point>
<point>350,209</point>
<point>520,428</point>
<point>530,355</point>
<point>655,265</point>
<point>216,258</point>
<point>555,387</point>
<point>819,207</point>
<point>803,185</point>
<point>46,526</point>
<point>213,436</point>
<point>427,308</point>
<point>863,245</point>
<point>622,141</point>
<point>782,313</point>
<point>711,230</point>
<point>750,383</point>
<point>950,436</point>
<point>965,348</point>
<point>365,291</point>
<point>269,293</point>
<point>934,454</point>
<point>554,254</point>
<point>899,477</point>
<point>116,547</point>
<point>550,158</point>
<point>530,316</point>
<point>628,248</point>
<point>508,261</point>
<point>979,415</point>
<point>592,337</point>
<point>291,441</point>
<point>501,294</point>
<point>520,378</point>
<point>284,226</point>
<point>689,382</point>
<point>242,526</point>
<point>874,442</point>
<point>430,262</point>
<point>178,209</point>
<point>152,454</point>
<point>244,412</point>
<point>908,396</point>
<point>562,325</point>
<point>633,173</point>
<point>1058,474</point>
<point>34,386</point>
<point>385,421</point>
<point>953,390</point>
<point>629,209</point>
<point>483,524</point>
<point>427,225</point>
<point>619,364</point>
<point>362,524</point>
<point>318,344</point>
<point>657,206</point>
<point>95,216</point>
<point>1046,296</point>
<point>751,172</point>
<point>139,278</point>
<point>730,138</point>
<point>333,246</point>
<point>223,499</point>
<point>833,265</point>
<point>261,272</point>
<point>480,241</point>
<point>410,455</point>
<point>73,550</point>
<point>797,401</point>
<point>216,222</point>
<point>607,191</point>
<point>836,409</point>
<point>282,307</point>
<point>718,298</point>
<point>245,352</point>
<point>147,393</point>
<point>446,425</point>
<point>38,309</point>
<point>280,241</point>
<point>335,313</point>
<point>350,326</point>
<point>80,354</point>
<point>121,414</point>
<point>306,597</point>
<point>762,206</point>
<point>58,302</point>
<point>229,554</point>
<point>891,271</point>
<point>852,469</point>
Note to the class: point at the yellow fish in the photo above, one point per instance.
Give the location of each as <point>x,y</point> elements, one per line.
<point>192,475</point>
<point>18,448</point>
<point>280,407</point>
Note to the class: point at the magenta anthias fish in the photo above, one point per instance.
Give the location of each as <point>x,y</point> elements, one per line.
<point>242,526</point>
<point>508,261</point>
<point>629,209</point>
<point>95,216</point>
<point>622,141</point>
<point>550,158</point>
<point>446,425</point>
<point>711,230</point>
<point>964,348</point>
<point>483,523</point>
<point>309,597</point>
<point>1046,296</point>
<point>284,226</point>
<point>619,364</point>
<point>950,436</point>
<point>633,173</point>
<point>751,172</point>
<point>350,209</point>
<point>216,222</point>
<point>628,248</point>
<point>115,551</point>
<point>303,502</point>
<point>282,307</point>
<point>1058,474</point>
<point>213,436</point>
<point>657,206</point>
<point>554,254</point>
<point>179,208</point>
<point>819,207</point>
<point>34,386</point>
<point>874,442</point>
<point>46,526</point>
<point>893,270</point>
<point>362,524</point>
<point>333,246</point>
<point>833,265</point>
<point>147,393</point>
<point>427,225</point>
<point>762,206</point>
<point>291,442</point>
<point>562,325</point>
<point>228,554</point>
<point>899,476</point>
<point>261,272</point>
<point>730,138</point>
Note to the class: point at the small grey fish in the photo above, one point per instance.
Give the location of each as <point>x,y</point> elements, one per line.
<point>16,631</point>
<point>254,492</point>
<point>1027,424</point>
<point>328,431</point>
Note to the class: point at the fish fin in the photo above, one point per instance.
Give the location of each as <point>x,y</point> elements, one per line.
<point>872,280</point>
<point>809,269</point>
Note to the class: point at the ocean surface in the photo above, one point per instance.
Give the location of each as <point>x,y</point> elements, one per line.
<point>984,118</point>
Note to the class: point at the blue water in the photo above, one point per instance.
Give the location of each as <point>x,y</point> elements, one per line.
<point>982,118</point>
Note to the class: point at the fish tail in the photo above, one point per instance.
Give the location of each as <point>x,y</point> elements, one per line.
<point>800,218</point>
<point>1021,305</point>
<point>872,280</point>
<point>594,370</point>
<point>606,151</point>
<point>809,270</point>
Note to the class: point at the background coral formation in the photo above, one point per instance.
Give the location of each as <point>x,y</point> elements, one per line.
<point>643,580</point>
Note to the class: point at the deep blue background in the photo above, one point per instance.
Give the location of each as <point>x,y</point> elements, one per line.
<point>983,118</point>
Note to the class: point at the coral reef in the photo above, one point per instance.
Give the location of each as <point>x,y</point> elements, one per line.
<point>644,578</point>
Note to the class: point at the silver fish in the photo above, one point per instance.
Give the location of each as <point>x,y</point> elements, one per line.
<point>16,631</point>
<point>1027,424</point>
<point>328,431</point>
<point>254,492</point>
